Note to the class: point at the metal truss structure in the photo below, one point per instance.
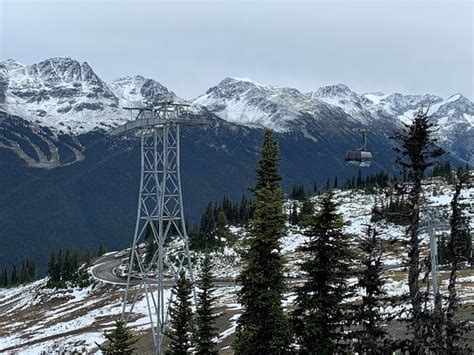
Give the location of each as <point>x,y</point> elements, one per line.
<point>160,248</point>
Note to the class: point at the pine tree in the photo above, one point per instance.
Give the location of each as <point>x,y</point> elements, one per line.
<point>456,328</point>
<point>13,276</point>
<point>4,278</point>
<point>371,335</point>
<point>181,317</point>
<point>321,309</point>
<point>307,209</point>
<point>294,218</point>
<point>151,246</point>
<point>205,329</point>
<point>102,250</point>
<point>120,340</point>
<point>417,153</point>
<point>88,258</point>
<point>222,228</point>
<point>263,327</point>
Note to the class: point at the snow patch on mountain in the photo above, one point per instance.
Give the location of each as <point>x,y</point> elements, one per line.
<point>137,90</point>
<point>245,101</point>
<point>67,95</point>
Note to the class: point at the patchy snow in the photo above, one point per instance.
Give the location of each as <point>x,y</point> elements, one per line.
<point>37,319</point>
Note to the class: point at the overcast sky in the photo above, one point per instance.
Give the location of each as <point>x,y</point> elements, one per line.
<point>388,46</point>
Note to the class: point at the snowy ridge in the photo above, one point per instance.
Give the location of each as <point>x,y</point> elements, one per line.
<point>64,94</point>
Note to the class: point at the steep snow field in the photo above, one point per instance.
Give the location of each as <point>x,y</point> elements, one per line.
<point>36,319</point>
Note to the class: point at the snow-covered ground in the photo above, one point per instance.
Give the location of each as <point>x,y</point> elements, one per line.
<point>36,319</point>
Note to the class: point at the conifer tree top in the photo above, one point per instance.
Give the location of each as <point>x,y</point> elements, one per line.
<point>267,169</point>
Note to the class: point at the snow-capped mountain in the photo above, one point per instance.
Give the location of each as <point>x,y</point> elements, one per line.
<point>57,92</point>
<point>336,107</point>
<point>137,90</point>
<point>248,102</point>
<point>64,94</point>
<point>357,106</point>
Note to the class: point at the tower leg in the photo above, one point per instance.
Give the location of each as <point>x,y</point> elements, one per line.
<point>160,220</point>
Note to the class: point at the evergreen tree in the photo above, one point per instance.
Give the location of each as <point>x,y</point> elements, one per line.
<point>322,312</point>
<point>371,334</point>
<point>4,278</point>
<point>222,228</point>
<point>328,186</point>
<point>181,317</point>
<point>294,218</point>
<point>151,246</point>
<point>102,250</point>
<point>88,258</point>
<point>13,276</point>
<point>336,185</point>
<point>456,328</point>
<point>307,209</point>
<point>263,327</point>
<point>417,152</point>
<point>360,181</point>
<point>297,193</point>
<point>205,329</point>
<point>120,340</point>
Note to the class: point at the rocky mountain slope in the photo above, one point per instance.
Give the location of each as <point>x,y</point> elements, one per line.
<point>59,170</point>
<point>36,319</point>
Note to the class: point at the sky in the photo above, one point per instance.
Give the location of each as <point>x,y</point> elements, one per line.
<point>412,47</point>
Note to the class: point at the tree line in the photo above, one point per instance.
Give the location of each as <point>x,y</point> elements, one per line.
<point>212,230</point>
<point>68,268</point>
<point>13,277</point>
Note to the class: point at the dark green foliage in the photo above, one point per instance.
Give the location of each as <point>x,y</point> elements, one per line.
<point>395,210</point>
<point>370,318</point>
<point>294,215</point>
<point>151,245</point>
<point>263,327</point>
<point>88,258</point>
<point>328,186</point>
<point>119,341</point>
<point>298,193</point>
<point>181,317</point>
<point>443,169</point>
<point>370,183</point>
<point>27,272</point>
<point>102,249</point>
<point>455,328</point>
<point>26,275</point>
<point>207,235</point>
<point>306,210</point>
<point>205,329</point>
<point>65,268</point>
<point>417,152</point>
<point>321,312</point>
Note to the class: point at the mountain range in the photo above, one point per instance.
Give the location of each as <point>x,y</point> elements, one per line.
<point>64,182</point>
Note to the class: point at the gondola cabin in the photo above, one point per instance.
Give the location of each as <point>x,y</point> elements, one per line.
<point>361,158</point>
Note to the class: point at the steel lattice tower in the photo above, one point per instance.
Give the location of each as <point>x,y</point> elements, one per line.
<point>160,216</point>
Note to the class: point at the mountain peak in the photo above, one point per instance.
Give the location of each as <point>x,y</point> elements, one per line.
<point>333,90</point>
<point>137,89</point>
